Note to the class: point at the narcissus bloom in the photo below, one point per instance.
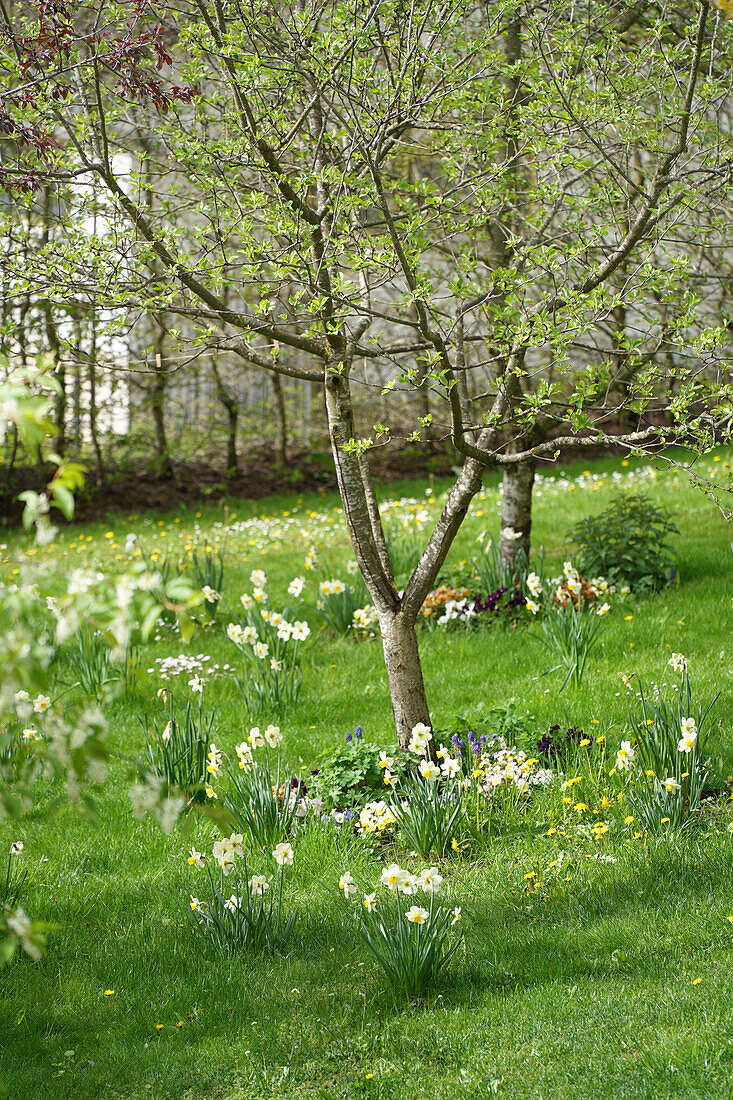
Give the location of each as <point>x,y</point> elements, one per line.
<point>416,915</point>
<point>283,854</point>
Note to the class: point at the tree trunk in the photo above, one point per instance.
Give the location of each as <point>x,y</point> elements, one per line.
<point>404,675</point>
<point>231,404</point>
<point>157,407</point>
<point>516,510</point>
<point>281,438</point>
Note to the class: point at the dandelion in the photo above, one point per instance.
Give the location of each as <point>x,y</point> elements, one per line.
<point>108,992</point>
<point>347,884</point>
<point>283,854</point>
<point>416,915</point>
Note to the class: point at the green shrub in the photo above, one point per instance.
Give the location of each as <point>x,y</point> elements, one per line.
<point>626,544</point>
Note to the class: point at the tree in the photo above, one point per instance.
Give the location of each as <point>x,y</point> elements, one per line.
<point>445,192</point>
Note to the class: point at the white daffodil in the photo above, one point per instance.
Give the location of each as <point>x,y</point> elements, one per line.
<point>258,884</point>
<point>273,736</point>
<point>283,854</point>
<point>416,915</point>
<point>625,756</point>
<point>347,884</point>
<point>430,771</point>
<point>196,859</point>
<point>430,880</point>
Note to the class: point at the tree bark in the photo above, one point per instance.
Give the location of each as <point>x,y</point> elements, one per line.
<point>231,404</point>
<point>516,510</point>
<point>404,674</point>
<point>281,437</point>
<point>157,405</point>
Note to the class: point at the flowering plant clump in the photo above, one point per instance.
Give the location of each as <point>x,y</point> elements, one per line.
<point>251,916</point>
<point>444,601</point>
<point>409,941</point>
<point>667,762</point>
<point>357,772</point>
<point>556,748</point>
<point>339,603</point>
<point>177,754</point>
<point>269,643</point>
<point>259,799</point>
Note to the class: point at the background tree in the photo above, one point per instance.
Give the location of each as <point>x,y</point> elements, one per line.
<point>289,231</point>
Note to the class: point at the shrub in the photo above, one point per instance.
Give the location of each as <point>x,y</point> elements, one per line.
<point>626,544</point>
<point>355,773</point>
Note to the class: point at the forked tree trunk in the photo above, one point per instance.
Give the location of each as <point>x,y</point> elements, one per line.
<point>404,674</point>
<point>516,510</point>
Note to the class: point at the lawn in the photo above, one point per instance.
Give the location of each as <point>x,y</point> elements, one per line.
<point>592,963</point>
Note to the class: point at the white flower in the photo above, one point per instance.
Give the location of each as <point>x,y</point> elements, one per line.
<point>236,842</point>
<point>258,578</point>
<point>210,594</point>
<point>246,601</point>
<point>450,766</point>
<point>337,587</point>
<point>261,649</point>
<point>385,761</point>
<point>509,534</point>
<point>687,742</point>
<point>419,739</point>
<point>456,914</point>
<point>430,880</point>
<point>244,755</point>
<point>275,665</point>
<point>296,586</point>
<point>416,915</point>
<point>301,630</point>
<point>196,859</point>
<point>408,883</point>
<point>233,903</point>
<point>347,884</point>
<point>678,662</point>
<point>41,703</point>
<point>625,756</point>
<point>283,854</point>
<point>196,685</point>
<point>16,847</point>
<point>670,785</point>
<point>369,902</point>
<point>258,884</point>
<point>325,588</point>
<point>130,542</point>
<point>532,606</point>
<point>603,609</point>
<point>235,633</point>
<point>430,771</point>
<point>688,727</point>
<point>352,568</point>
<point>249,635</point>
<point>255,738</point>
<point>195,904</point>
<point>273,736</point>
<point>167,732</point>
<point>259,595</point>
<point>223,853</point>
<point>534,584</point>
<point>214,758</point>
<point>393,876</point>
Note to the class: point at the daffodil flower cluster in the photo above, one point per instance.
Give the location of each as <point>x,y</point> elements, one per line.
<point>375,817</point>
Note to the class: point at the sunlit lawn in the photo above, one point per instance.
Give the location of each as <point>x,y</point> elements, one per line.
<point>614,978</point>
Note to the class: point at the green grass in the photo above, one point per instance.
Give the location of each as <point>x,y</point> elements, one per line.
<point>583,987</point>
